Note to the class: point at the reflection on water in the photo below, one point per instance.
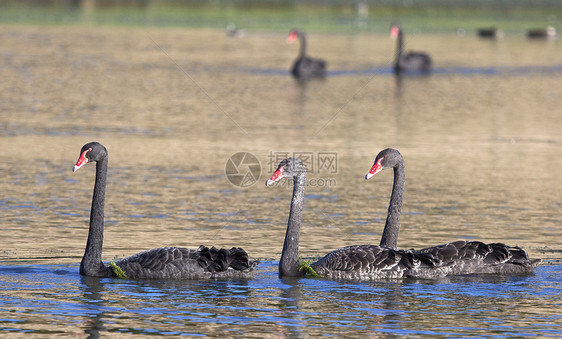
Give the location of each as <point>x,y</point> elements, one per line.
<point>480,137</point>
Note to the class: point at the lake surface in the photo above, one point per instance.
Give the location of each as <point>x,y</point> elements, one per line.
<point>481,138</point>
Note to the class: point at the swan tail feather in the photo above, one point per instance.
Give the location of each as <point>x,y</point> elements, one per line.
<point>219,260</point>
<point>238,259</point>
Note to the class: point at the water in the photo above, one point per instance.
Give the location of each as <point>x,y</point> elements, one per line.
<point>481,139</point>
<point>54,300</point>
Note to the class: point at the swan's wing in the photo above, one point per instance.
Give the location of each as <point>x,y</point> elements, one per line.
<point>416,61</point>
<point>365,262</point>
<point>185,263</point>
<point>309,67</point>
<point>461,250</point>
<point>470,257</point>
<point>160,263</point>
<point>368,262</point>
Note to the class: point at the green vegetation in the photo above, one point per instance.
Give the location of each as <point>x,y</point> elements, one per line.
<point>436,16</point>
<point>309,271</point>
<point>118,270</point>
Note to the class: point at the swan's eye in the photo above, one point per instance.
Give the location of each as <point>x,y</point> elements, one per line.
<point>85,153</point>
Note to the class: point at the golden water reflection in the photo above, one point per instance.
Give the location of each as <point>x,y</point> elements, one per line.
<point>482,151</point>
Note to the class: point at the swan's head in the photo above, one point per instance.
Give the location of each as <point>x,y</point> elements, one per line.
<point>288,168</point>
<point>395,30</point>
<point>92,151</point>
<point>294,34</point>
<point>387,158</point>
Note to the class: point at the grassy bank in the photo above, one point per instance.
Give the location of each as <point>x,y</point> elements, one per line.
<point>431,16</point>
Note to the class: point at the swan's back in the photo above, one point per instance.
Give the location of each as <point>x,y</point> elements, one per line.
<point>415,61</point>
<point>369,262</point>
<point>307,67</point>
<point>473,257</point>
<point>365,262</point>
<point>185,263</point>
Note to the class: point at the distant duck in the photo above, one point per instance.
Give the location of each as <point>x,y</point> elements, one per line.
<point>490,33</point>
<point>304,66</point>
<point>234,32</point>
<point>542,33</point>
<point>411,61</point>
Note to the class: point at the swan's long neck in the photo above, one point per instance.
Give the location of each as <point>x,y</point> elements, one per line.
<point>302,51</point>
<point>289,265</point>
<point>91,264</point>
<point>392,226</point>
<point>399,48</point>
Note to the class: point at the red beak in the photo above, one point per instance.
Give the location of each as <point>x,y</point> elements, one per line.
<point>278,175</point>
<point>377,167</point>
<point>292,37</point>
<point>394,32</point>
<point>82,160</point>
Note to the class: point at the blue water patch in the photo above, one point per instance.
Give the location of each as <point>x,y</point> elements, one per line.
<point>153,216</point>
<point>269,306</point>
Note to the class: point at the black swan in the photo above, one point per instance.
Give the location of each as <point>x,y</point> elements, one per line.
<point>490,33</point>
<point>542,33</point>
<point>370,262</point>
<point>455,258</point>
<point>363,262</point>
<point>411,61</point>
<point>159,263</point>
<point>304,66</point>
